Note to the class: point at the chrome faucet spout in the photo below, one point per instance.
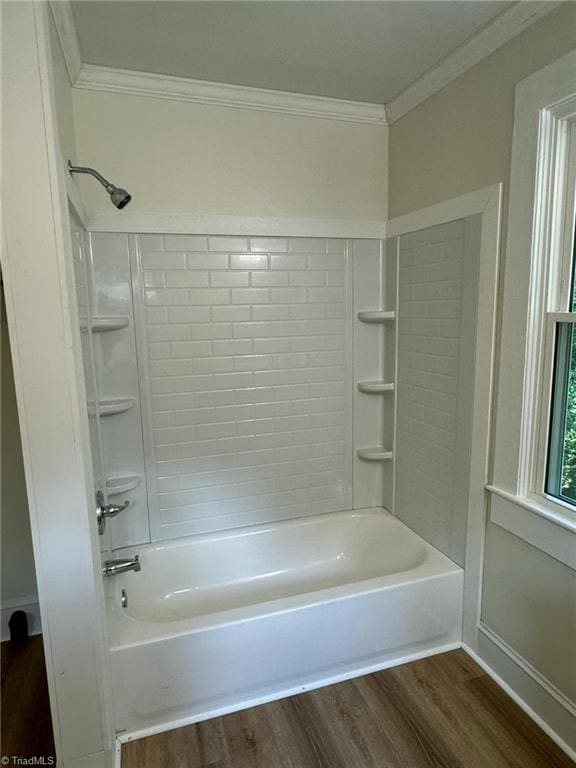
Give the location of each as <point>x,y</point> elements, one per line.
<point>122,565</point>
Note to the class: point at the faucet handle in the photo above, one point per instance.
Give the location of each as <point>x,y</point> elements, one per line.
<point>104,511</point>
<point>111,510</point>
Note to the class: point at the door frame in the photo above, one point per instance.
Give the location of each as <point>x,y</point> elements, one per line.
<point>37,269</point>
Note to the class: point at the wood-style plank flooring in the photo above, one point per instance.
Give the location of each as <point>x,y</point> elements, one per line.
<point>25,708</point>
<point>441,712</point>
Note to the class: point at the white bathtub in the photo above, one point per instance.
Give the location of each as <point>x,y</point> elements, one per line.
<point>221,621</point>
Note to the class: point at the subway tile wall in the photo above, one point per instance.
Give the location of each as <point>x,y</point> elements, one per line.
<point>249,376</point>
<point>437,310</point>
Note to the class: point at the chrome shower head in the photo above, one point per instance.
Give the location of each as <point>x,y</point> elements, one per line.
<point>119,197</point>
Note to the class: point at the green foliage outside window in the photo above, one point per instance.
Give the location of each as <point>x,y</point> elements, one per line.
<point>569,454</point>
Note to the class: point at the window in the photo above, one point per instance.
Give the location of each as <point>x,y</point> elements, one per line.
<point>557,477</point>
<point>561,464</point>
<point>533,462</point>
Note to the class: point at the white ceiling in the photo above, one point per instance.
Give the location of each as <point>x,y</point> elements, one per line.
<point>362,51</point>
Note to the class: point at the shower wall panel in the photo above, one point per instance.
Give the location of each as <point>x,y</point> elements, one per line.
<point>437,325</point>
<point>374,287</point>
<point>118,388</point>
<point>83,299</point>
<point>246,354</point>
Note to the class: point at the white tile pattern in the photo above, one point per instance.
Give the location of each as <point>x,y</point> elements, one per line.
<point>429,364</point>
<point>246,340</point>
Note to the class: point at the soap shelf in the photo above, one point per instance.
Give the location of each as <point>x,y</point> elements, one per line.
<point>113,405</point>
<point>120,484</point>
<point>376,316</point>
<point>374,454</point>
<point>375,387</point>
<point>109,323</point>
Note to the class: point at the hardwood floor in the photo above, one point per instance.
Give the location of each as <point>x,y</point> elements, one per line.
<point>441,712</point>
<point>25,713</point>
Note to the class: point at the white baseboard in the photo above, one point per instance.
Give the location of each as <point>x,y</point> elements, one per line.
<point>28,604</point>
<point>545,710</point>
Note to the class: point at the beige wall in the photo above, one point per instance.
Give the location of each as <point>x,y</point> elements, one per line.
<point>179,157</point>
<point>531,602</point>
<point>457,141</point>
<point>18,574</point>
<point>461,138</point>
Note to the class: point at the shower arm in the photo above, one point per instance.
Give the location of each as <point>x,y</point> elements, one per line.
<point>108,186</point>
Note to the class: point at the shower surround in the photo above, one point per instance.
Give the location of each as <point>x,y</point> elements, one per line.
<point>248,368</point>
<point>256,389</point>
<point>279,412</point>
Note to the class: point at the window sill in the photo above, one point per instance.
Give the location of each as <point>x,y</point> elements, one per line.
<point>543,525</point>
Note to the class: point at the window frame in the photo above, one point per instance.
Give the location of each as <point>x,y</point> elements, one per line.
<point>550,293</point>
<point>542,100</point>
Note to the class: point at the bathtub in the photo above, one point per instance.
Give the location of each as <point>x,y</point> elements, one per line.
<point>217,622</point>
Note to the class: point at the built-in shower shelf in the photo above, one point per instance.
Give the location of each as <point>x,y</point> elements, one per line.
<point>120,484</point>
<point>374,454</point>
<point>376,316</point>
<point>109,323</point>
<point>113,405</point>
<point>375,387</point>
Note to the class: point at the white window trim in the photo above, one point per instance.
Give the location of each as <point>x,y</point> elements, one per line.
<point>551,257</point>
<point>545,105</point>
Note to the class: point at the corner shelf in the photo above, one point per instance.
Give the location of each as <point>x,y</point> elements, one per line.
<point>375,387</point>
<point>113,405</point>
<point>376,316</point>
<point>374,454</point>
<point>120,484</point>
<point>109,323</point>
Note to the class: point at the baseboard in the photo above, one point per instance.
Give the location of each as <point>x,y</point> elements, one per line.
<point>28,604</point>
<point>282,694</point>
<point>545,710</point>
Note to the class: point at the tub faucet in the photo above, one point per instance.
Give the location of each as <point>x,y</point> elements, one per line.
<point>113,567</point>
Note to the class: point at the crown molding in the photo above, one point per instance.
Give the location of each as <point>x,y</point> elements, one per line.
<point>502,29</point>
<point>61,11</point>
<point>96,78</point>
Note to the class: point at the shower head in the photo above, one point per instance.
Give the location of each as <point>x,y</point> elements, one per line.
<point>119,197</point>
